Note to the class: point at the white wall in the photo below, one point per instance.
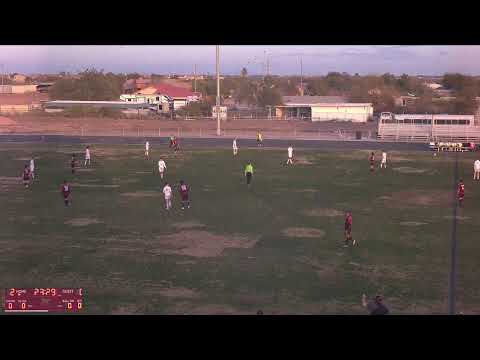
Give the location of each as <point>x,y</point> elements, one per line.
<point>345,113</point>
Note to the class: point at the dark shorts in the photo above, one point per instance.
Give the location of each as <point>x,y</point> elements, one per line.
<point>348,229</point>
<point>249,178</point>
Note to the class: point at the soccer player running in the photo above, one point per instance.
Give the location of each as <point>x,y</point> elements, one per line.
<point>460,192</point>
<point>476,170</point>
<point>175,144</point>
<point>235,147</point>
<point>372,162</point>
<point>167,192</point>
<point>26,176</point>
<point>87,155</point>
<point>73,163</point>
<point>184,190</point>
<point>171,141</point>
<point>66,191</point>
<point>348,229</point>
<point>383,164</point>
<point>147,148</point>
<point>32,169</point>
<point>290,155</point>
<point>161,167</point>
<point>259,138</point>
<point>249,173</point>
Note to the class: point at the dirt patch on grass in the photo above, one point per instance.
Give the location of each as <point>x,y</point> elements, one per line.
<point>323,212</point>
<point>95,185</point>
<point>143,172</point>
<point>126,310</point>
<point>450,217</point>
<point>304,190</point>
<point>84,169</point>
<point>26,159</point>
<point>179,293</point>
<point>197,243</point>
<point>409,170</point>
<point>9,180</point>
<point>412,223</point>
<point>82,222</point>
<point>188,225</point>
<point>141,194</point>
<point>433,198</point>
<point>217,309</point>
<point>302,232</point>
<point>323,270</point>
<point>303,160</point>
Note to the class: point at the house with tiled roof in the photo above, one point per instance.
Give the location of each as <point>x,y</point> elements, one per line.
<point>162,94</point>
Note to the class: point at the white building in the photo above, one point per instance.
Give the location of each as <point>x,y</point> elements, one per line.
<point>323,108</point>
<point>428,127</point>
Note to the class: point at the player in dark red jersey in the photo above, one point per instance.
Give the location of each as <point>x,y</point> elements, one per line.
<point>184,190</point>
<point>372,162</point>
<point>460,192</point>
<point>73,163</point>
<point>26,176</point>
<point>348,229</point>
<point>66,190</point>
<point>175,144</point>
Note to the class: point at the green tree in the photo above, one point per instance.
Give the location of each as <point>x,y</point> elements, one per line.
<point>91,85</point>
<point>268,96</point>
<point>244,73</point>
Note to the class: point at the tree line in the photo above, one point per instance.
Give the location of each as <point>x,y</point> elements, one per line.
<point>263,91</point>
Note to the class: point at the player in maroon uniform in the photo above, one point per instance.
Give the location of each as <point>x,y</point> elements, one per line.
<point>26,176</point>
<point>66,190</point>
<point>184,194</point>
<point>460,192</point>
<point>348,229</point>
<point>372,162</point>
<point>73,163</point>
<point>175,144</point>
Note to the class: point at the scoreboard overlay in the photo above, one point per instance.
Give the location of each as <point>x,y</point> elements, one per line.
<point>43,300</point>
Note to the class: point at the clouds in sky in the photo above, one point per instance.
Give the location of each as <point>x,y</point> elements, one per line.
<point>283,60</point>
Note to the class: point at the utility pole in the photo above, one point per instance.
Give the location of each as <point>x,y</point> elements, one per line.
<point>453,246</point>
<point>195,78</point>
<point>218,90</point>
<point>301,77</point>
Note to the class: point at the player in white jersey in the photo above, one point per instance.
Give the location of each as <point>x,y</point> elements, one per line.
<point>383,164</point>
<point>32,169</point>
<point>235,147</point>
<point>87,155</point>
<point>167,191</point>
<point>161,167</point>
<point>147,148</point>
<point>290,155</point>
<point>476,170</point>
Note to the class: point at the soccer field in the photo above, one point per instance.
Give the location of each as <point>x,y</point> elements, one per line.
<point>277,246</point>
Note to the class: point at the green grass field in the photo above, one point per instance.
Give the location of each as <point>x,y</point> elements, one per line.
<point>277,246</point>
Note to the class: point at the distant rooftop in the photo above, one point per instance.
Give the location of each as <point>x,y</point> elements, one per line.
<point>313,100</point>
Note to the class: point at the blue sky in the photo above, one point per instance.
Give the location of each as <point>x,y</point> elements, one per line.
<point>317,60</point>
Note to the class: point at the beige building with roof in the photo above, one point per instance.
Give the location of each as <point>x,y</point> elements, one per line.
<point>323,108</point>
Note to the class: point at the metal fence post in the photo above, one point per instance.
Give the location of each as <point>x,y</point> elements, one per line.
<point>178,131</point>
<point>123,132</point>
<point>138,132</point>
<point>158,132</point>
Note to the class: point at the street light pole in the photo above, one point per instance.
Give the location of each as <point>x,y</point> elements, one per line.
<point>218,90</point>
<point>453,247</point>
